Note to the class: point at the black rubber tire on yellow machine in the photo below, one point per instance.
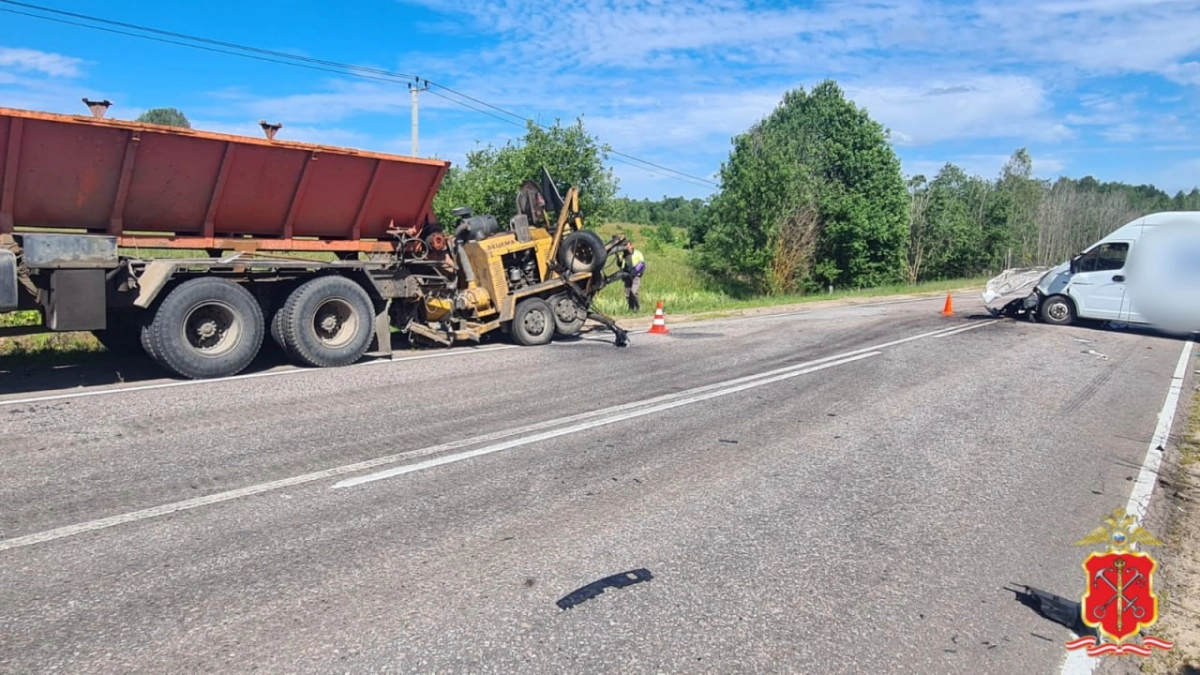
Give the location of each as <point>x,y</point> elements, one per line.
<point>180,336</point>
<point>533,322</point>
<point>327,322</point>
<point>582,251</point>
<point>569,317</point>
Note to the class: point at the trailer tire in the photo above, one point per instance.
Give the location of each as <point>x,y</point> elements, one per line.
<point>1058,310</point>
<point>569,317</point>
<point>533,322</point>
<point>277,331</point>
<point>174,336</point>
<point>147,343</point>
<point>327,322</point>
<point>583,251</point>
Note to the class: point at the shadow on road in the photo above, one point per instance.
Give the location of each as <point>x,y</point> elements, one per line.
<point>1062,611</point>
<point>1100,327</point>
<point>54,373</point>
<point>594,589</point>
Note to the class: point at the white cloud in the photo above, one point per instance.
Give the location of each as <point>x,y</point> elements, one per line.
<point>985,106</point>
<point>1106,6</point>
<point>1098,36</point>
<point>46,63</point>
<point>673,81</point>
<point>1123,133</point>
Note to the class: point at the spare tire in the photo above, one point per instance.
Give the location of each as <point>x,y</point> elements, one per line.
<point>582,251</point>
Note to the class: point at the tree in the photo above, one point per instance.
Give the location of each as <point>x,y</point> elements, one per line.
<point>918,228</point>
<point>1020,197</point>
<point>816,152</point>
<point>168,116</point>
<point>489,181</point>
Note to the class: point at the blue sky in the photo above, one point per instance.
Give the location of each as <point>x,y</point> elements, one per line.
<point>1103,87</point>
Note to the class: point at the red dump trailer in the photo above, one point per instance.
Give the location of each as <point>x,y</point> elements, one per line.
<point>190,246</point>
<point>165,187</point>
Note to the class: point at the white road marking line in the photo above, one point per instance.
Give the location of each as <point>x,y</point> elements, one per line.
<point>1078,662</point>
<point>71,530</point>
<point>1143,488</point>
<point>964,329</point>
<point>585,426</point>
<point>247,376</point>
<point>352,468</point>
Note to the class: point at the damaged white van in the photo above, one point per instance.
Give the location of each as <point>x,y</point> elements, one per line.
<point>1145,272</point>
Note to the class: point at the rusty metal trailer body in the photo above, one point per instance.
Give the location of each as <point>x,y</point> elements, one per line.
<point>96,215</point>
<point>166,187</point>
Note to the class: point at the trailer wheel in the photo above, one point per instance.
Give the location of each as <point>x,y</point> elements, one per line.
<point>277,330</point>
<point>583,251</point>
<point>533,322</point>
<point>205,328</point>
<point>327,322</point>
<point>569,317</point>
<point>1058,310</point>
<point>147,343</point>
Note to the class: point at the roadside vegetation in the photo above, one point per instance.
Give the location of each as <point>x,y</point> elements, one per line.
<point>811,204</point>
<point>1179,576</point>
<point>671,278</point>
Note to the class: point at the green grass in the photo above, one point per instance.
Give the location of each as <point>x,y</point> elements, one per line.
<point>682,290</point>
<point>1180,620</point>
<point>31,347</point>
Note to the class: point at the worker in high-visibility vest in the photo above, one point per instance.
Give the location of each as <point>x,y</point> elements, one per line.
<point>635,266</point>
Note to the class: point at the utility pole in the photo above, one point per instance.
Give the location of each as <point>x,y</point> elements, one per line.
<point>415,89</point>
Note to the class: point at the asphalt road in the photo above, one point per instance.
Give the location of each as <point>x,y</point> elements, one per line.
<point>846,490</point>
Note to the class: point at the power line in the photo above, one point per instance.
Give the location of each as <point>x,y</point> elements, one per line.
<point>195,38</point>
<point>311,63</point>
<point>184,44</point>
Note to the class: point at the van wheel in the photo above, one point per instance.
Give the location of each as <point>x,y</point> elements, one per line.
<point>533,322</point>
<point>583,251</point>
<point>327,322</point>
<point>205,328</point>
<point>1058,310</point>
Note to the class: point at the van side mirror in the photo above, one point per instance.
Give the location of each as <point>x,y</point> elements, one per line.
<point>1075,265</point>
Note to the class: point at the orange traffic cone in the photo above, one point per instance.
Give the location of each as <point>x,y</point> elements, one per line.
<point>948,310</point>
<point>660,322</point>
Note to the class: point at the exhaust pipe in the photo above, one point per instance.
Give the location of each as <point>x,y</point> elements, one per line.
<point>98,108</point>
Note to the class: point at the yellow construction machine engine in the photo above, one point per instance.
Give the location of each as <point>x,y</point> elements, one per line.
<point>535,280</point>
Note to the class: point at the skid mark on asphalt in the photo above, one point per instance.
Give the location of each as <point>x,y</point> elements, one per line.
<point>592,424</point>
<point>250,376</point>
<point>600,336</point>
<point>1078,662</point>
<point>597,418</point>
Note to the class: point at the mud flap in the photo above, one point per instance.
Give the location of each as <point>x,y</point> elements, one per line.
<point>8,281</point>
<point>383,331</point>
